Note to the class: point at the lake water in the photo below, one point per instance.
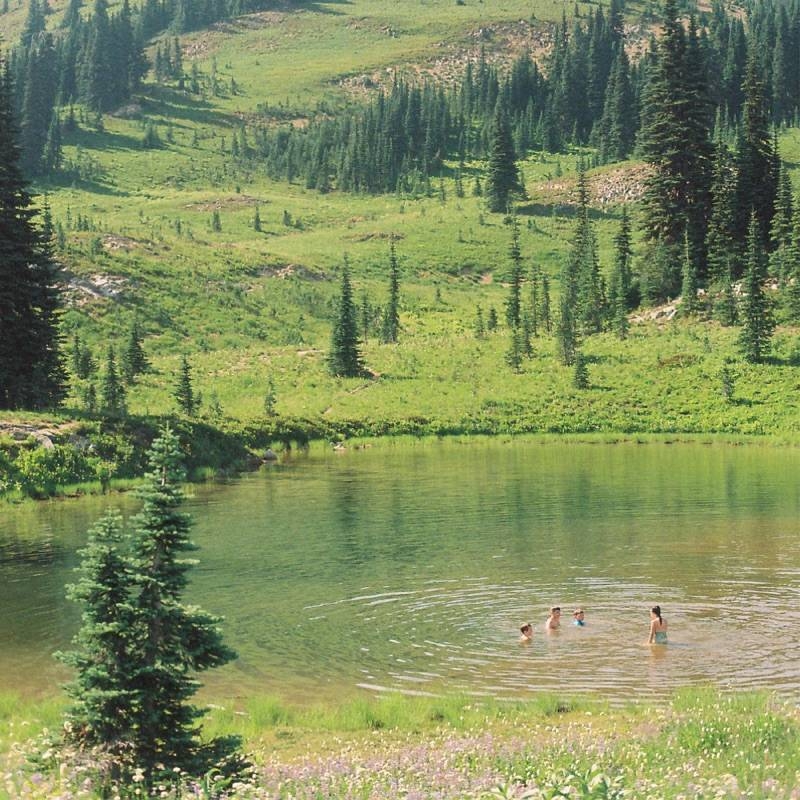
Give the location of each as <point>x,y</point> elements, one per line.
<point>411,567</point>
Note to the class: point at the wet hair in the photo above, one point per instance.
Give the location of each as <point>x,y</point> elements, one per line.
<point>555,608</point>
<point>577,611</point>
<point>526,627</point>
<point>657,611</point>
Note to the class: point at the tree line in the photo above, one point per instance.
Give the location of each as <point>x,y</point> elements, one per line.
<point>588,93</point>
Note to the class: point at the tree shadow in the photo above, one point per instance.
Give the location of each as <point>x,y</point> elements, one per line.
<point>179,105</point>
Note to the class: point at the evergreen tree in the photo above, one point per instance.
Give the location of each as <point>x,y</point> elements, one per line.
<point>580,371</point>
<point>544,313</point>
<point>491,319</point>
<point>270,398</point>
<point>620,283</point>
<point>173,640</point>
<point>479,327</point>
<point>721,241</point>
<point>257,221</point>
<point>184,392</point>
<point>134,359</point>
<point>515,349</point>
<point>782,227</point>
<point>390,327</point>
<point>102,692</point>
<point>725,307</point>
<point>514,301</point>
<point>757,321</point>
<point>675,141</point>
<point>689,285</point>
<point>756,158</point>
<point>112,390</point>
<point>344,357</point>
<point>502,176</point>
<point>32,374</point>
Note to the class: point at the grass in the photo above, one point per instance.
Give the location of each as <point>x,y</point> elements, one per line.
<point>700,744</point>
<point>249,308</point>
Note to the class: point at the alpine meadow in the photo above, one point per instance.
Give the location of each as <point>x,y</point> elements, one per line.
<point>238,236</point>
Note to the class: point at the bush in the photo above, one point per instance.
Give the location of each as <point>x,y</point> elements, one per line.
<point>41,470</point>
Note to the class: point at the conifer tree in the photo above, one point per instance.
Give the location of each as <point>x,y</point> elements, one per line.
<point>514,301</point>
<point>479,326</point>
<point>722,239</point>
<point>580,371</point>
<point>756,158</point>
<point>757,321</point>
<point>344,357</point>
<point>782,226</point>
<point>32,374</point>
<point>134,359</point>
<point>619,287</point>
<point>725,307</point>
<point>675,141</point>
<point>173,640</point>
<point>502,177</point>
<point>544,313</point>
<point>689,284</point>
<point>184,391</point>
<point>515,349</point>
<point>112,390</point>
<point>491,319</point>
<point>103,695</point>
<point>390,326</point>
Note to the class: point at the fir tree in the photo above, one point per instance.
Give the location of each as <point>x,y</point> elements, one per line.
<point>134,360</point>
<point>689,285</point>
<point>270,398</point>
<point>103,695</point>
<point>184,392</point>
<point>721,241</point>
<point>515,349</point>
<point>257,221</point>
<point>725,307</point>
<point>344,357</point>
<point>757,321</point>
<point>502,176</point>
<point>479,326</point>
<point>675,141</point>
<point>580,371</point>
<point>544,313</point>
<point>390,326</point>
<point>173,640</point>
<point>32,374</point>
<point>514,301</point>
<point>112,390</point>
<point>491,319</point>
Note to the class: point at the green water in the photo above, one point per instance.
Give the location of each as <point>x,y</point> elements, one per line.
<point>411,567</point>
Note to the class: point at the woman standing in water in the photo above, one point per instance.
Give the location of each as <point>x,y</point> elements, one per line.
<point>658,627</point>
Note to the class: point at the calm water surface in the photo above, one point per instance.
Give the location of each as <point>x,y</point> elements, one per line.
<point>411,567</point>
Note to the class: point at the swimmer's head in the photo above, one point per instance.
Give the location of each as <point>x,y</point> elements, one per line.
<point>656,611</point>
<point>526,629</point>
<point>578,613</point>
<point>555,611</point>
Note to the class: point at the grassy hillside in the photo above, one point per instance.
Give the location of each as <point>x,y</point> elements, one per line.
<point>252,307</point>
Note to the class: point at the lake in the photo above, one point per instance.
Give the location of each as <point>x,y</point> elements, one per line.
<point>410,567</point>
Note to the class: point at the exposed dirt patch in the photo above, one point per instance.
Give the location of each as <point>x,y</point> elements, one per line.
<point>291,271</point>
<point>486,278</point>
<point>366,237</point>
<point>83,289</point>
<point>222,203</point>
<point>113,243</point>
<point>501,44</point>
<point>623,185</point>
<point>205,44</point>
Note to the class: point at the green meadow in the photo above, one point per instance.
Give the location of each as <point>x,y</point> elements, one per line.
<point>254,309</point>
<point>701,744</point>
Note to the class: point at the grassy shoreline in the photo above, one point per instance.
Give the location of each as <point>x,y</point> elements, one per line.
<point>701,743</point>
<point>242,451</point>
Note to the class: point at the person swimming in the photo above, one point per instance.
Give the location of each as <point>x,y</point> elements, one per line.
<point>658,627</point>
<point>554,620</point>
<point>578,617</point>
<point>526,633</point>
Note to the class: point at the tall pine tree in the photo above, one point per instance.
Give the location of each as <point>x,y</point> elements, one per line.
<point>32,374</point>
<point>344,357</point>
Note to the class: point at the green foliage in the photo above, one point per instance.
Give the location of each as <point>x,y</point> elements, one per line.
<point>344,357</point>
<point>185,395</point>
<point>40,471</point>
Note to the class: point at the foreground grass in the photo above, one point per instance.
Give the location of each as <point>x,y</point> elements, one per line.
<point>702,744</point>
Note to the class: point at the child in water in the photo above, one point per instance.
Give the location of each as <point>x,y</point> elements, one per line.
<point>578,617</point>
<point>526,633</point>
<point>554,620</point>
<point>658,627</point>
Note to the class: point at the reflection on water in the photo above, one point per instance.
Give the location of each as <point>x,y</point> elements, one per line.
<point>412,568</point>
